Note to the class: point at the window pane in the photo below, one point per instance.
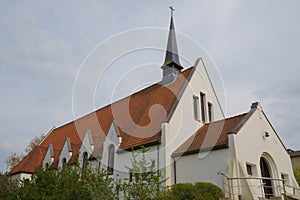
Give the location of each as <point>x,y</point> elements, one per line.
<point>210,112</point>
<point>64,164</point>
<point>203,114</point>
<point>111,160</point>
<point>84,161</point>
<point>249,169</point>
<point>196,107</point>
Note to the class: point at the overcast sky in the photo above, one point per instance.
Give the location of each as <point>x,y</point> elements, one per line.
<point>254,44</point>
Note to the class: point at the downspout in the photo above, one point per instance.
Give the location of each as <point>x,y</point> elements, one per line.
<point>175,174</point>
<point>236,165</point>
<point>157,159</point>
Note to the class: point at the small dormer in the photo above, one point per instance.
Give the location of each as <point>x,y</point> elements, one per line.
<point>65,154</point>
<point>171,67</point>
<point>49,157</point>
<point>86,150</point>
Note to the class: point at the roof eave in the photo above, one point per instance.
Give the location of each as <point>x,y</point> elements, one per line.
<point>217,147</point>
<point>139,146</point>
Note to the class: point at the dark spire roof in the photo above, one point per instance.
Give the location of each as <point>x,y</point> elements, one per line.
<point>172,51</point>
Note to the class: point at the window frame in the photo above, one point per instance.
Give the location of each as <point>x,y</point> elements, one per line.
<point>111,159</point>
<point>210,112</point>
<point>84,161</point>
<point>285,177</point>
<point>196,108</point>
<point>203,106</point>
<point>47,166</point>
<point>249,169</point>
<point>64,165</point>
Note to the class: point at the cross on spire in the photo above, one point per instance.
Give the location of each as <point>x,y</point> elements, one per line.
<point>172,10</point>
<point>172,57</point>
<point>171,67</point>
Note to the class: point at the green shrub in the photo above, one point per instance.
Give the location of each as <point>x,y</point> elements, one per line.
<point>297,175</point>
<point>7,188</point>
<point>198,191</point>
<point>183,191</point>
<point>207,191</point>
<point>54,184</point>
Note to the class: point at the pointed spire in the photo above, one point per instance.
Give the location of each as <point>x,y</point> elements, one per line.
<point>171,67</point>
<point>172,57</point>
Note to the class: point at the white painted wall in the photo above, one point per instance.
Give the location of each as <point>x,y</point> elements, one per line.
<point>66,153</point>
<point>182,125</point>
<point>250,145</point>
<point>49,157</point>
<point>123,159</point>
<point>205,166</point>
<point>17,178</point>
<point>86,146</point>
<point>111,139</point>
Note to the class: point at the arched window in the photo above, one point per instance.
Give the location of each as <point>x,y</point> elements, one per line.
<point>64,165</point>
<point>111,160</point>
<point>46,166</point>
<point>84,161</point>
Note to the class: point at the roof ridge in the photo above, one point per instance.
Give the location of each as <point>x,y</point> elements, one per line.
<point>235,116</point>
<point>105,115</point>
<point>157,83</point>
<point>107,105</point>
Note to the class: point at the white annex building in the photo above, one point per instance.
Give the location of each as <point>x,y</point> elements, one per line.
<point>182,123</point>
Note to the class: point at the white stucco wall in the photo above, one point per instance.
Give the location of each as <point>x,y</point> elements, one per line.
<point>49,157</point>
<point>111,139</point>
<point>250,144</point>
<point>205,166</point>
<point>182,125</point>
<point>123,159</point>
<point>17,178</point>
<point>86,146</point>
<point>66,153</point>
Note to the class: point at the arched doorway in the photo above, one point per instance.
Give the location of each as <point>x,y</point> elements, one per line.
<point>266,173</point>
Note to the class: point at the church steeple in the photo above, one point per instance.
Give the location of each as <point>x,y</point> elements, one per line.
<point>171,66</point>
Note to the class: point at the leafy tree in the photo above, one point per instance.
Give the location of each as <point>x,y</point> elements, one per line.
<point>14,158</point>
<point>297,174</point>
<point>34,142</point>
<point>145,181</point>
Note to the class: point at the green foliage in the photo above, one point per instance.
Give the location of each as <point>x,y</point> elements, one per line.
<point>297,174</point>
<point>183,191</point>
<point>53,184</point>
<point>7,189</point>
<point>145,182</point>
<point>198,191</point>
<point>207,191</point>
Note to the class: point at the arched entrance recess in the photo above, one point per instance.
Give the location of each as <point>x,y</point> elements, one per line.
<point>268,169</point>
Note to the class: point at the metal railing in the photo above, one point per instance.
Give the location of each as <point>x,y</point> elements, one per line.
<point>257,188</point>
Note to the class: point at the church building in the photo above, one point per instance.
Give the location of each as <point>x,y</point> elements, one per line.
<point>181,122</point>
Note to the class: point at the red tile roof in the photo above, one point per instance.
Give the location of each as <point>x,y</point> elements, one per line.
<point>210,136</point>
<point>29,165</point>
<point>138,118</point>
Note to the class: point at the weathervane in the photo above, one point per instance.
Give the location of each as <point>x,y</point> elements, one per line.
<point>172,10</point>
